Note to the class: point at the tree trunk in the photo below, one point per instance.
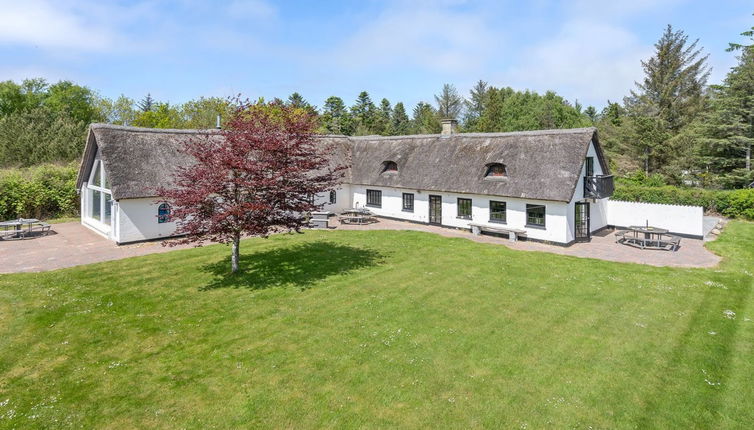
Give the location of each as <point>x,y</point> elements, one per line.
<point>748,157</point>
<point>234,253</point>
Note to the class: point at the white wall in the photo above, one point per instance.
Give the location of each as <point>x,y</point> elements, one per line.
<point>597,210</point>
<point>342,199</point>
<point>137,220</point>
<point>678,219</point>
<point>556,219</point>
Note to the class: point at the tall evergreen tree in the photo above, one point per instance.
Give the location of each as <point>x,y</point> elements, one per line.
<point>335,118</point>
<point>146,104</point>
<point>383,124</point>
<point>475,105</point>
<point>674,81</point>
<point>727,129</point>
<point>449,102</point>
<point>401,123</point>
<point>425,119</point>
<point>363,113</point>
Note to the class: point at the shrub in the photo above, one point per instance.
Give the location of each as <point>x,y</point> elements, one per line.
<point>45,191</point>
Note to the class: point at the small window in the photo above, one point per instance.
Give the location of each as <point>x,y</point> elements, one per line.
<point>408,202</point>
<point>589,166</point>
<point>333,197</point>
<point>495,170</point>
<point>374,198</point>
<point>497,212</point>
<point>464,208</point>
<point>163,213</point>
<point>389,167</point>
<point>535,215</point>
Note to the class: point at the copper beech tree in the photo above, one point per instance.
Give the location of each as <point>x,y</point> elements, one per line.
<point>255,176</point>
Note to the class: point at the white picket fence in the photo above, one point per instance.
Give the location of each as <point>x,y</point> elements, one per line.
<point>686,220</point>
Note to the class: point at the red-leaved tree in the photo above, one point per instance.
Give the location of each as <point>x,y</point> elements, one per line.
<point>256,176</point>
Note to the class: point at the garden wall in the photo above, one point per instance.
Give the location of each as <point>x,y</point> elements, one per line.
<point>685,220</point>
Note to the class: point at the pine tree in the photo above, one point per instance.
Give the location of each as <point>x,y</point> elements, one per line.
<point>363,113</point>
<point>591,113</point>
<point>475,105</point>
<point>383,125</point>
<point>146,104</point>
<point>674,81</point>
<point>425,120</point>
<point>449,103</point>
<point>727,129</point>
<point>401,123</point>
<point>335,118</point>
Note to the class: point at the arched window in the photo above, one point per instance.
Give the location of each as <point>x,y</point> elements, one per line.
<point>163,213</point>
<point>495,170</point>
<point>389,167</point>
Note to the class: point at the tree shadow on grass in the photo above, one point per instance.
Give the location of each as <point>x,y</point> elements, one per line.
<point>299,266</point>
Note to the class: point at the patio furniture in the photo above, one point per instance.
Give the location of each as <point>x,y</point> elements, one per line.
<point>42,227</point>
<point>513,233</point>
<point>359,216</point>
<point>620,235</point>
<point>17,224</point>
<point>648,237</point>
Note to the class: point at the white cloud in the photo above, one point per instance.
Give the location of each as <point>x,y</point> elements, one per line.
<point>586,59</point>
<point>432,36</point>
<point>251,9</point>
<point>50,25</point>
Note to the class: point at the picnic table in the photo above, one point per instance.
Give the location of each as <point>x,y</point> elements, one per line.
<point>648,237</point>
<point>356,216</point>
<point>18,231</point>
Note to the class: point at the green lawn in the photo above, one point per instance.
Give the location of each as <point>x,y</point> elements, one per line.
<point>380,329</point>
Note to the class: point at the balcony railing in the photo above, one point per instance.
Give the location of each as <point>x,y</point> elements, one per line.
<point>598,187</point>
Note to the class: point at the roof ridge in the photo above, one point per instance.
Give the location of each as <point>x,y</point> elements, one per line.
<point>100,126</point>
<point>369,137</point>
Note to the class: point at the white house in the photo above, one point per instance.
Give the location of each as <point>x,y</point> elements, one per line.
<point>548,185</point>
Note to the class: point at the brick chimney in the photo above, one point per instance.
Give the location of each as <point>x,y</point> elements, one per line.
<point>449,127</point>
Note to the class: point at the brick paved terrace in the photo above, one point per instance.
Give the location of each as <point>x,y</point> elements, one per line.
<point>71,244</point>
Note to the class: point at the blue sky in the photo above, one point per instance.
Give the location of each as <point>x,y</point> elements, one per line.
<point>588,50</point>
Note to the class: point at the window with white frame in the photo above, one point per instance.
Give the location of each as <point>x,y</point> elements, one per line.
<point>98,195</point>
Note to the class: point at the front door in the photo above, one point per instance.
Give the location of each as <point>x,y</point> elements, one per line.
<point>582,222</point>
<point>435,210</point>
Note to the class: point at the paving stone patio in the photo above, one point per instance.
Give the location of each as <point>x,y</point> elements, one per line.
<point>71,244</point>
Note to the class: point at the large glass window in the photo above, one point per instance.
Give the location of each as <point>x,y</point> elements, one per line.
<point>497,212</point>
<point>464,208</point>
<point>374,198</point>
<point>99,204</point>
<point>333,197</point>
<point>589,166</point>
<point>535,215</point>
<point>408,202</point>
<point>96,205</point>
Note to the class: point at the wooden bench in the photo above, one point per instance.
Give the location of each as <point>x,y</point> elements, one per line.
<point>513,233</point>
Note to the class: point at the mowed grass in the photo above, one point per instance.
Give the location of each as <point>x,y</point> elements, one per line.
<point>380,329</point>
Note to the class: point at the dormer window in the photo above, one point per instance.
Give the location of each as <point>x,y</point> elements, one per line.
<point>389,167</point>
<point>495,170</point>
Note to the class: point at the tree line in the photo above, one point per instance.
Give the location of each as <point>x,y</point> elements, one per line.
<point>673,127</point>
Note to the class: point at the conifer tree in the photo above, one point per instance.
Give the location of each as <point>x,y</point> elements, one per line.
<point>401,124</point>
<point>363,114</point>
<point>449,102</point>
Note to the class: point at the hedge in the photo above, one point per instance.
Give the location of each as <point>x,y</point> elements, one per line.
<point>43,192</point>
<point>731,203</point>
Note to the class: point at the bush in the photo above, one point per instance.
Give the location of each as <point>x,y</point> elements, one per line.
<point>731,203</point>
<point>45,191</point>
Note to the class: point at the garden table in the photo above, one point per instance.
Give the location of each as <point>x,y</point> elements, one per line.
<point>651,234</point>
<point>17,225</point>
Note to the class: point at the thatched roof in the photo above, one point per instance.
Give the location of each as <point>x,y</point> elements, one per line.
<point>542,165</point>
